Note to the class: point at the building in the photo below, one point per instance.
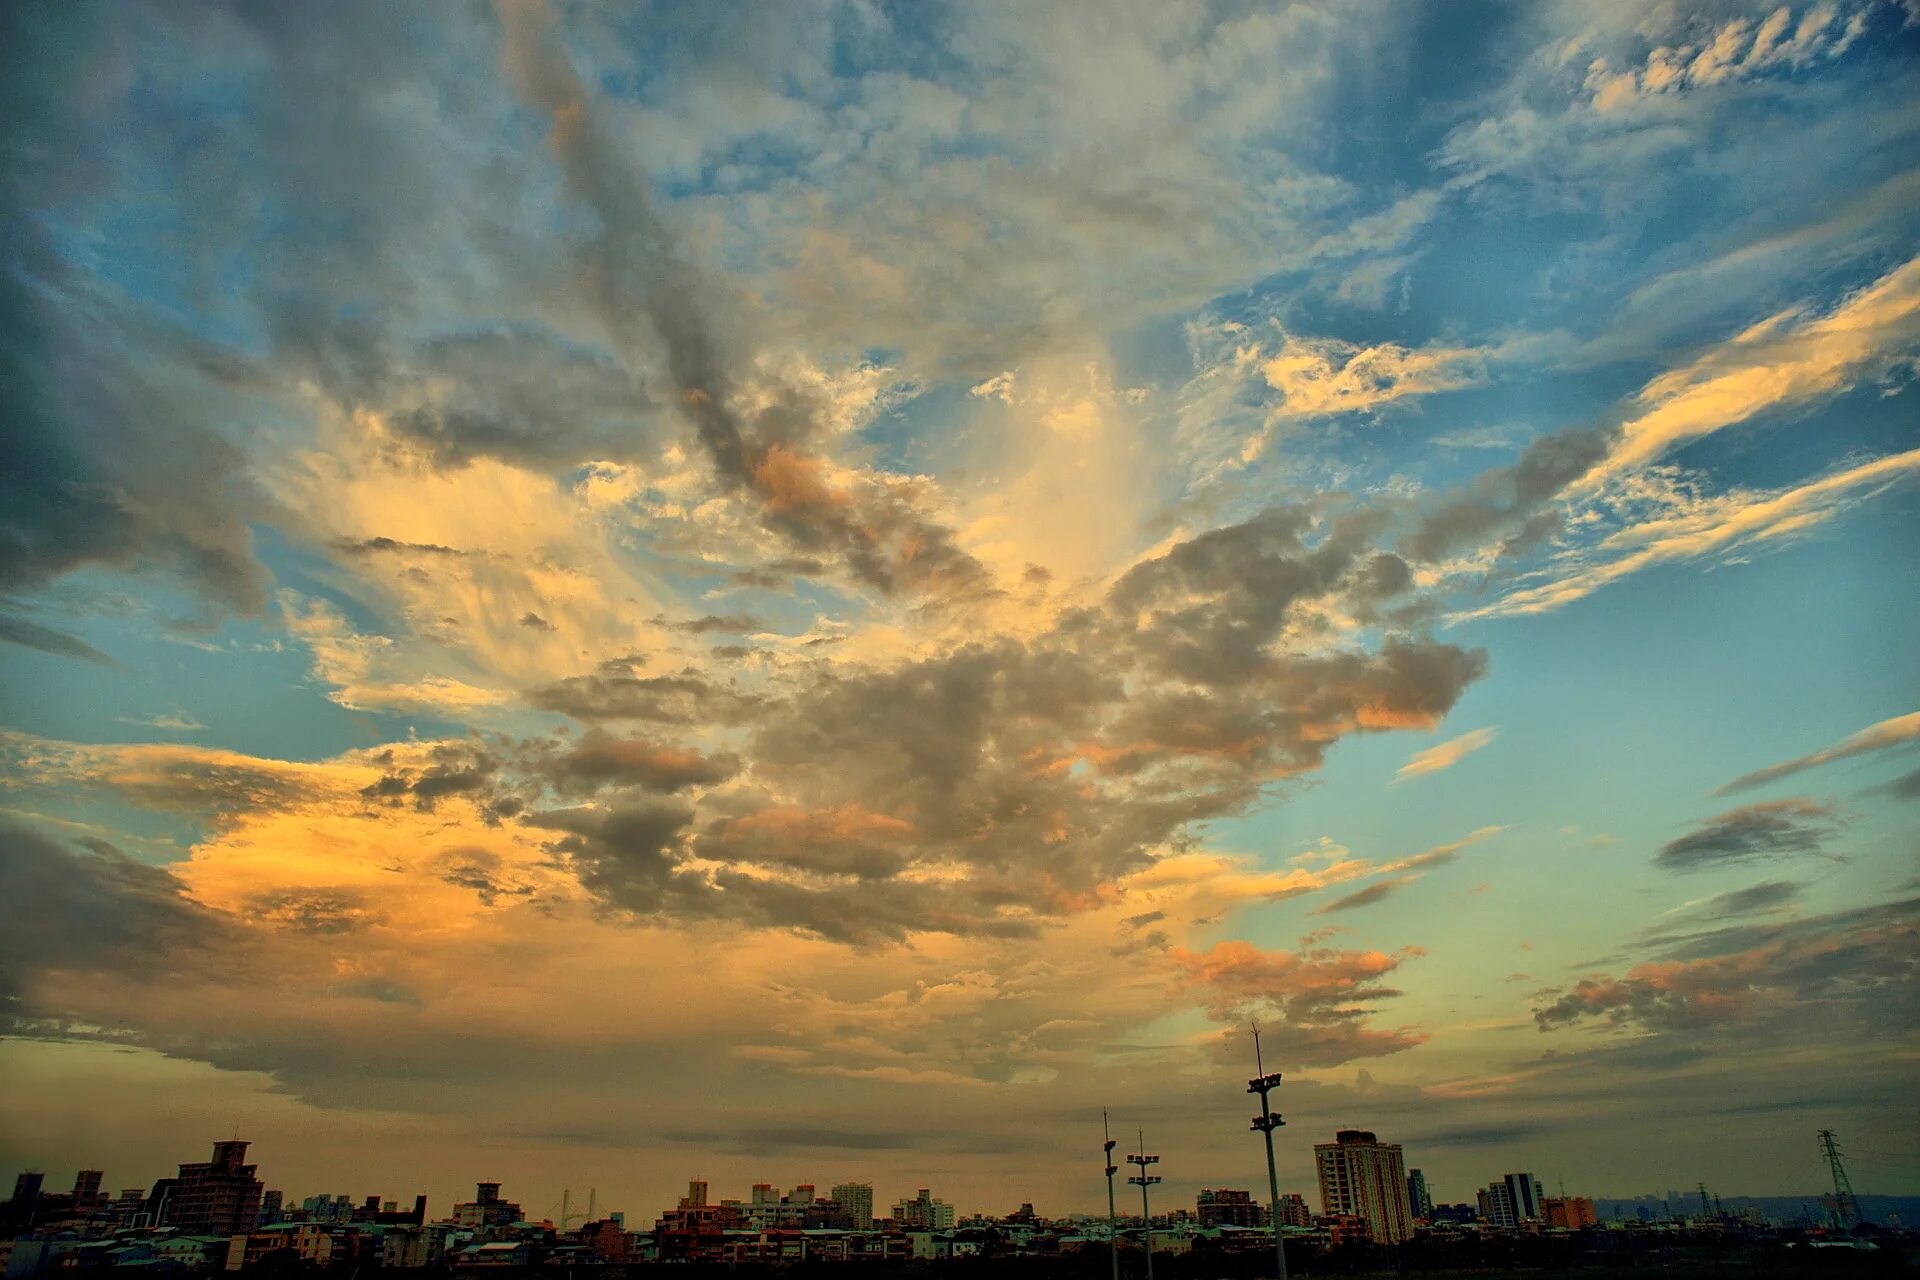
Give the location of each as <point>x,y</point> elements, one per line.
<point>1362,1177</point>
<point>1223,1207</point>
<point>217,1197</point>
<point>1419,1199</point>
<point>856,1198</point>
<point>86,1191</point>
<point>1294,1211</point>
<point>923,1213</point>
<point>1514,1201</point>
<point>1571,1212</point>
<point>487,1209</point>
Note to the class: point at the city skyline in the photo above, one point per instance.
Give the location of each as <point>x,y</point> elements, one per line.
<point>614,593</point>
<point>866,1196</point>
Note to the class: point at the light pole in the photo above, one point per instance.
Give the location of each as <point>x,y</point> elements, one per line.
<point>1113,1218</point>
<point>1143,1181</point>
<point>1266,1122</point>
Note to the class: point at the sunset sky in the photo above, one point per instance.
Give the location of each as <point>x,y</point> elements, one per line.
<point>597,594</point>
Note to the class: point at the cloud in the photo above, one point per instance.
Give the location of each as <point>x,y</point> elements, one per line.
<point>1446,754</point>
<point>1378,891</point>
<point>1875,737</point>
<point>32,635</point>
<point>1694,527</point>
<point>1316,994</point>
<point>1755,832</point>
<point>1862,961</point>
<point>1317,377</point>
<point>1786,360</point>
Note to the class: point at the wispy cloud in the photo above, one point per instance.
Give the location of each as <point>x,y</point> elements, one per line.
<point>1445,755</point>
<point>1875,737</point>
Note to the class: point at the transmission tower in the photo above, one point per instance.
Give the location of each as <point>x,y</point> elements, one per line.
<point>1842,1207</point>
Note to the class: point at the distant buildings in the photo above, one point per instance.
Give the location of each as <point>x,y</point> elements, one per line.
<point>1364,1178</point>
<point>1294,1211</point>
<point>217,1197</point>
<point>1228,1208</point>
<point>923,1213</point>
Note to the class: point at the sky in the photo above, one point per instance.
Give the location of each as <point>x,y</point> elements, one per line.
<point>596,595</point>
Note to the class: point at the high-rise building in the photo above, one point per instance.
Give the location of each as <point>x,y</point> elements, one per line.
<point>923,1213</point>
<point>1362,1177</point>
<point>1419,1199</point>
<point>272,1205</point>
<point>856,1198</point>
<point>1514,1201</point>
<point>26,1187</point>
<point>86,1190</point>
<point>696,1195</point>
<point>1225,1207</point>
<point>218,1197</point>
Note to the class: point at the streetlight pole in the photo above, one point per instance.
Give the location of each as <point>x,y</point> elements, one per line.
<point>1143,1181</point>
<point>1113,1217</point>
<point>1266,1122</point>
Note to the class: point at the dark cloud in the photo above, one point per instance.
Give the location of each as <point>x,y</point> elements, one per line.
<point>736,623</point>
<point>535,622</point>
<point>1491,1135</point>
<point>615,693</point>
<point>1755,832</point>
<point>1792,979</point>
<point>32,635</point>
<point>1379,891</point>
<point>454,769</point>
<point>628,853</point>
<point>602,759</point>
<point>1904,787</point>
<point>388,546</point>
<point>97,910</point>
<point>1752,900</point>
<point>1510,502</point>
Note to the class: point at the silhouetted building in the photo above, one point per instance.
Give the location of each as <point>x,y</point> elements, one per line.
<point>217,1197</point>
<point>272,1205</point>
<point>1419,1199</point>
<point>86,1190</point>
<point>1362,1177</point>
<point>1224,1207</point>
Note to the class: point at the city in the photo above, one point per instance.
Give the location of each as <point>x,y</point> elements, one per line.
<point>1373,1211</point>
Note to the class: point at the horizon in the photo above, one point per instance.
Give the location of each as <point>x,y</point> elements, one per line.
<point>592,590</point>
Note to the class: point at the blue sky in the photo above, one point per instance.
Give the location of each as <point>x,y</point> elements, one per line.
<point>872,550</point>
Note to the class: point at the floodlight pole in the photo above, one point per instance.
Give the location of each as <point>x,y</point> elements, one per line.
<point>1266,1122</point>
<point>1143,1181</point>
<point>1113,1217</point>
